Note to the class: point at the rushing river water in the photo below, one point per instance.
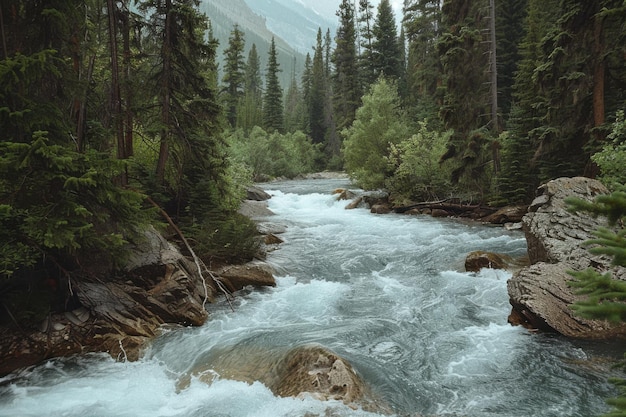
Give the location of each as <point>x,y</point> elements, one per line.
<point>386,292</point>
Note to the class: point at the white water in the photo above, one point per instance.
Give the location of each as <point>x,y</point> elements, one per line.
<point>384,292</point>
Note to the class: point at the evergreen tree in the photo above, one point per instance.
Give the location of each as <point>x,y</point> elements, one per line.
<point>273,100</point>
<point>422,20</point>
<point>573,78</point>
<point>379,124</point>
<point>510,31</point>
<point>385,48</point>
<point>294,105</point>
<point>465,109</point>
<point>234,74</point>
<point>317,94</point>
<point>366,35</point>
<point>307,82</point>
<point>191,163</point>
<point>250,111</point>
<point>345,79</point>
<point>519,178</point>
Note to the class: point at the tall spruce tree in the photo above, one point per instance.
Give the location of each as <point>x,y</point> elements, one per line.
<point>250,109</point>
<point>294,104</point>
<point>519,177</point>
<point>385,47</point>
<point>317,94</point>
<point>234,74</point>
<point>191,163</point>
<point>573,78</point>
<point>464,51</point>
<point>346,78</point>
<point>273,99</point>
<point>365,25</point>
<point>422,22</point>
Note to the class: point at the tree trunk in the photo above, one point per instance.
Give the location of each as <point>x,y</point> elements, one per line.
<point>598,72</point>
<point>166,52</point>
<point>116,101</point>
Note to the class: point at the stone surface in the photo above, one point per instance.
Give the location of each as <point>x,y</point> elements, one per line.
<point>256,273</point>
<point>257,194</point>
<point>302,371</point>
<point>509,214</point>
<point>540,294</point>
<point>478,260</point>
<point>119,313</point>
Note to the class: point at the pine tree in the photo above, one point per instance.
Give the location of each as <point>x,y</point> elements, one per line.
<point>294,105</point>
<point>191,163</point>
<point>365,22</point>
<point>250,110</point>
<point>385,48</point>
<point>317,94</point>
<point>273,100</point>
<point>519,177</point>
<point>422,21</point>
<point>234,74</point>
<point>465,109</point>
<point>346,78</point>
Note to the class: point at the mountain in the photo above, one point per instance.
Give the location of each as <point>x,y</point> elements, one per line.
<point>224,14</point>
<point>297,21</point>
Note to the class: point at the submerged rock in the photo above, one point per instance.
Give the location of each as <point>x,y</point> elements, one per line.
<point>540,294</point>
<point>478,260</point>
<point>308,370</point>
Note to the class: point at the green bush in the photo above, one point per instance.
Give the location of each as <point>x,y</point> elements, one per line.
<point>612,158</point>
<point>417,172</point>
<point>274,155</point>
<point>379,124</point>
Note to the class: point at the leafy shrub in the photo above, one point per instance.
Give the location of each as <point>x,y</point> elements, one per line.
<point>274,155</point>
<point>379,124</point>
<point>417,172</point>
<point>612,158</point>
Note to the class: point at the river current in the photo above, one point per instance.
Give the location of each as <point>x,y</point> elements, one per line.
<point>385,292</point>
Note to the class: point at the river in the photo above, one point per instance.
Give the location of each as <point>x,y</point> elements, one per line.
<point>386,292</point>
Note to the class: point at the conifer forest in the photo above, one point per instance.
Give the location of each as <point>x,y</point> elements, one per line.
<point>114,113</point>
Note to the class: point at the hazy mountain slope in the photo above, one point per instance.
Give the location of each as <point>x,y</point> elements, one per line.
<point>224,14</point>
<point>297,21</point>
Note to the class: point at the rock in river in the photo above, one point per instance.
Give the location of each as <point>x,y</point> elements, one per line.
<point>540,294</point>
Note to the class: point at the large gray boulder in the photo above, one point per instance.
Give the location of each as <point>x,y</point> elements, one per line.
<point>540,294</point>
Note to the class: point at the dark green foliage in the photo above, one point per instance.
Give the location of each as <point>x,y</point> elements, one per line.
<point>385,47</point>
<point>273,100</point>
<point>274,154</point>
<point>224,238</point>
<point>463,49</point>
<point>346,91</point>
<point>250,111</point>
<point>317,94</point>
<point>233,79</point>
<point>510,30</point>
<point>422,23</point>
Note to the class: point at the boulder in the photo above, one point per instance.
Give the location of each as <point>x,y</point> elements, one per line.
<point>255,273</point>
<point>540,294</point>
<point>381,208</point>
<point>508,214</point>
<point>308,370</point>
<point>478,260</point>
<point>344,194</point>
<point>257,194</point>
<point>357,202</point>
